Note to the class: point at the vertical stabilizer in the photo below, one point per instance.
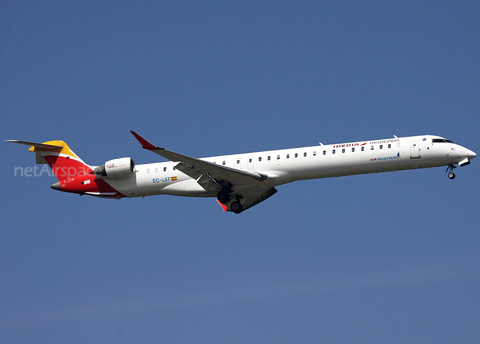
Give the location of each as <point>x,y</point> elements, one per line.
<point>64,163</point>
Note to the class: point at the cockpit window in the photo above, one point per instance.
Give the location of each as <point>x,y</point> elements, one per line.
<point>442,141</point>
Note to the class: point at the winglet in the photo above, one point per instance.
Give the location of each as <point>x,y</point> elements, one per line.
<point>145,144</point>
<point>224,207</point>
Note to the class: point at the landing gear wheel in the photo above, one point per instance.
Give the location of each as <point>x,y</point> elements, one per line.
<point>223,197</point>
<point>450,168</point>
<point>236,207</point>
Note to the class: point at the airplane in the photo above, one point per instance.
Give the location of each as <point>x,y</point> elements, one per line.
<point>241,181</point>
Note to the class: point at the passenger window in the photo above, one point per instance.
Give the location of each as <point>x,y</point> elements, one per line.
<point>343,150</point>
<point>389,145</point>
<point>238,162</point>
<point>288,156</point>
<point>174,168</point>
<point>333,151</point>
<point>381,146</point>
<point>259,158</point>
<point>324,152</point>
<point>304,154</point>
<point>296,155</point>
<point>278,157</point>
<point>268,158</point>
<point>164,169</point>
<point>362,149</point>
<point>371,148</point>
<point>353,149</point>
<point>223,162</point>
<point>250,160</point>
<point>314,153</point>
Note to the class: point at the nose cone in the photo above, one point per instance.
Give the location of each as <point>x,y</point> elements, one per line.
<point>56,186</point>
<point>471,154</point>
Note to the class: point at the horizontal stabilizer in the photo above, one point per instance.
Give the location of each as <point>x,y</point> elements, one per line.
<point>39,147</point>
<point>58,156</point>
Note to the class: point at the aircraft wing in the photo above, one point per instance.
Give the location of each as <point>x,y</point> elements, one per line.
<point>209,175</point>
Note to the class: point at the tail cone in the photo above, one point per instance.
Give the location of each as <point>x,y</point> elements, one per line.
<point>56,186</point>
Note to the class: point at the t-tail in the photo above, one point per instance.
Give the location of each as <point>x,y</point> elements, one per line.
<point>73,174</point>
<point>64,163</point>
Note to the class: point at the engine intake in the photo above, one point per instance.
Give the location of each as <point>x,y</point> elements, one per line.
<point>116,168</point>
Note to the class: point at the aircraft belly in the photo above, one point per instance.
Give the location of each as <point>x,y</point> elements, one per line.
<point>133,186</point>
<point>188,187</point>
<point>332,168</point>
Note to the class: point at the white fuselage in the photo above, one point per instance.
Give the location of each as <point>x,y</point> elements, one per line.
<point>288,165</point>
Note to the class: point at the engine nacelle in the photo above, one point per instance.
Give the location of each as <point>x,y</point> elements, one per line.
<point>116,168</point>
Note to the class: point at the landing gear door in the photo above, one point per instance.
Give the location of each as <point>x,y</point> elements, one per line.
<point>414,150</point>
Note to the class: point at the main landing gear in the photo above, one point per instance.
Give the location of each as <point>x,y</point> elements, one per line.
<point>236,207</point>
<point>224,196</point>
<point>450,169</point>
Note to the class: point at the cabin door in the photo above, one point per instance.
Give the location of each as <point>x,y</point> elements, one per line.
<point>250,162</point>
<point>238,163</point>
<point>414,150</point>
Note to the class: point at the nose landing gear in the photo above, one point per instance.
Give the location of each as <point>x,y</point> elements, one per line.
<point>450,169</point>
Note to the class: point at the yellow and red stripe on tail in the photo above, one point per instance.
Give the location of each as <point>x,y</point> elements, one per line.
<point>64,163</point>
<point>73,174</point>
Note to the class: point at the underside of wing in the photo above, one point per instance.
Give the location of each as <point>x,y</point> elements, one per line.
<point>253,198</point>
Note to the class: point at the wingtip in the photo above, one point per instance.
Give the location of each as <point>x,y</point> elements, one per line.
<point>145,144</point>
<point>224,207</point>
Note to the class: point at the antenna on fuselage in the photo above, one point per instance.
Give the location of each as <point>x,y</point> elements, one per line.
<point>395,136</point>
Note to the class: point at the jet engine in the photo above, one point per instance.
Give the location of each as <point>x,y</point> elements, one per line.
<point>116,168</point>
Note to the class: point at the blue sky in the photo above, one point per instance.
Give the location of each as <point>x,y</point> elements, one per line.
<point>386,258</point>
